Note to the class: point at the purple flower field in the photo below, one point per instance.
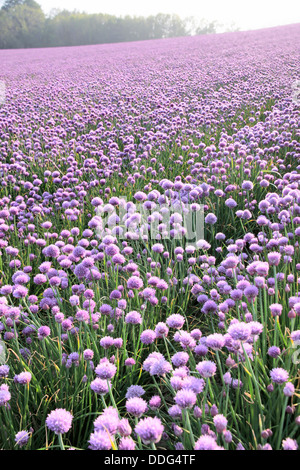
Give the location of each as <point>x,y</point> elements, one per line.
<point>117,330</point>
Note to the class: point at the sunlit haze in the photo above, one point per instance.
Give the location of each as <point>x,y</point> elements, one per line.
<point>251,15</point>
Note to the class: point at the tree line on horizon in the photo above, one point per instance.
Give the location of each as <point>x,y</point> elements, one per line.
<point>23,24</point>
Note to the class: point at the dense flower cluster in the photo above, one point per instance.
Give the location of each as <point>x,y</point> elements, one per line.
<point>122,332</point>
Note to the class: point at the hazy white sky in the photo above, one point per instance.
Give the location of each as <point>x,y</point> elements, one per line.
<point>250,14</point>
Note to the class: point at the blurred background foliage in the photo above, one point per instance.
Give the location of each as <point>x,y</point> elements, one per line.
<point>23,24</point>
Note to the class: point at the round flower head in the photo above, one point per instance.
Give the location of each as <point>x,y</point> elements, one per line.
<point>126,443</point>
<point>44,331</point>
<point>124,427</point>
<point>149,430</point>
<point>247,185</point>
<point>21,438</point>
<point>99,386</point>
<point>129,362</point>
<point>180,359</point>
<point>100,440</point>
<point>289,390</point>
<point>193,383</point>
<point>239,331</point>
<point>161,330</point>
<point>215,341</point>
<point>4,370</point>
<point>295,335</point>
<point>209,306</point>
<point>276,310</point>
<point>148,336</point>
<point>106,342</point>
<point>134,391</point>
<point>5,395</point>
<point>256,328</point>
<point>210,219</point>
<point>136,406</point>
<point>135,282</point>
<point>206,442</point>
<point>59,421</point>
<point>175,321</point>
<point>279,375</point>
<point>106,370</point>
<point>88,354</point>
<point>107,421</point>
<point>231,262</point>
<point>251,292</point>
<point>274,258</point>
<point>185,398</point>
<point>274,351</point>
<point>133,318</point>
<point>206,368</point>
<point>52,251</point>
<point>220,422</point>
<point>289,444</point>
<point>155,402</point>
<point>39,279</point>
<point>23,378</point>
<point>158,248</point>
<point>160,367</point>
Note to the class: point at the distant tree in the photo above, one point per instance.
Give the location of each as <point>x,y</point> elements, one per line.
<point>207,28</point>
<point>32,4</point>
<point>21,26</point>
<point>8,4</point>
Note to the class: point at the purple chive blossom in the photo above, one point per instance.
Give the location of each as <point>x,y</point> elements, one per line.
<point>160,367</point>
<point>59,421</point>
<point>274,258</point>
<point>175,321</point>
<point>107,421</point>
<point>215,341</point>
<point>106,370</point>
<point>239,331</point>
<point>206,442</point>
<point>134,282</point>
<point>126,443</point>
<point>251,292</point>
<point>206,368</point>
<point>134,391</point>
<point>21,438</point>
<point>161,330</point>
<point>107,342</point>
<point>5,395</point>
<point>276,310</point>
<point>220,422</point>
<point>148,336</point>
<point>289,389</point>
<point>279,375</point>
<point>155,402</point>
<point>133,318</point>
<point>185,398</point>
<point>100,440</point>
<point>210,219</point>
<point>150,430</point>
<point>124,427</point>
<point>180,359</point>
<point>4,371</point>
<point>136,406</point>
<point>289,444</point>
<point>274,351</point>
<point>44,331</point>
<point>99,386</point>
<point>23,378</point>
<point>129,362</point>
